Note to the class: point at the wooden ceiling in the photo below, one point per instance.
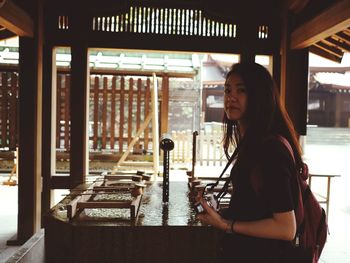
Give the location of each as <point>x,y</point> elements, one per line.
<point>323,26</point>
<point>327,32</point>
<point>14,20</point>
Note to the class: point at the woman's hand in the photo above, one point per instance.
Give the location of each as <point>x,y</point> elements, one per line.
<point>211,217</point>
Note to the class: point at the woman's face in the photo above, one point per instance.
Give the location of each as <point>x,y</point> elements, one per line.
<point>235,98</point>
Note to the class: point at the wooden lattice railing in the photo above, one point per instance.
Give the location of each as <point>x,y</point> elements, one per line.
<point>170,21</point>
<point>166,21</point>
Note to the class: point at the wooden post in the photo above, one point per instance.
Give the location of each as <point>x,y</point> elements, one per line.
<point>294,80</point>
<point>130,104</point>
<point>29,187</point>
<point>49,125</point>
<point>58,110</point>
<point>112,128</point>
<point>155,127</point>
<point>79,100</point>
<point>95,125</point>
<point>121,114</point>
<point>67,110</point>
<point>164,122</point>
<point>146,111</point>
<point>4,109</point>
<point>13,125</point>
<point>138,109</point>
<point>104,113</point>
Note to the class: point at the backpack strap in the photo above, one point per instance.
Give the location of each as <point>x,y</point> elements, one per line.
<point>299,209</point>
<point>287,144</point>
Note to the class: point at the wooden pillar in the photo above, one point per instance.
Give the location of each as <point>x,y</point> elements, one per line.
<point>79,99</point>
<point>155,125</point>
<point>248,34</point>
<point>49,125</point>
<point>30,129</point>
<point>247,56</point>
<point>294,79</point>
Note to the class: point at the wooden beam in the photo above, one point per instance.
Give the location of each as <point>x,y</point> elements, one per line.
<point>320,52</point>
<point>15,19</point>
<point>4,34</point>
<point>296,5</point>
<point>330,22</point>
<point>343,36</point>
<point>330,49</point>
<point>340,44</point>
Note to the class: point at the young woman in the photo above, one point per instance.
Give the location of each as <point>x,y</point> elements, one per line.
<point>260,221</point>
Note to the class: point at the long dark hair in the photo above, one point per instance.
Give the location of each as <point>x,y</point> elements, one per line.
<point>265,114</point>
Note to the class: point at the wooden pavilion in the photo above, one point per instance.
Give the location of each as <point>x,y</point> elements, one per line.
<point>285,30</point>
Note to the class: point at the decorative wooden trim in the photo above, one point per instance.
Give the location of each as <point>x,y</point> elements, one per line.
<point>161,20</point>
<point>330,22</point>
<point>16,19</point>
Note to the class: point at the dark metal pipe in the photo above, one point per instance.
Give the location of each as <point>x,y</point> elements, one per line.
<point>166,144</point>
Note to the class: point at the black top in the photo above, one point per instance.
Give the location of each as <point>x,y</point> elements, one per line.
<point>264,187</point>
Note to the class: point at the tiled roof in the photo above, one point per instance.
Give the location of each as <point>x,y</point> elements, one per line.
<point>336,79</point>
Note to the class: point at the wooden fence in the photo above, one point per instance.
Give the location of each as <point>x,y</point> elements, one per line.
<point>8,110</point>
<point>209,150</point>
<point>118,106</point>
